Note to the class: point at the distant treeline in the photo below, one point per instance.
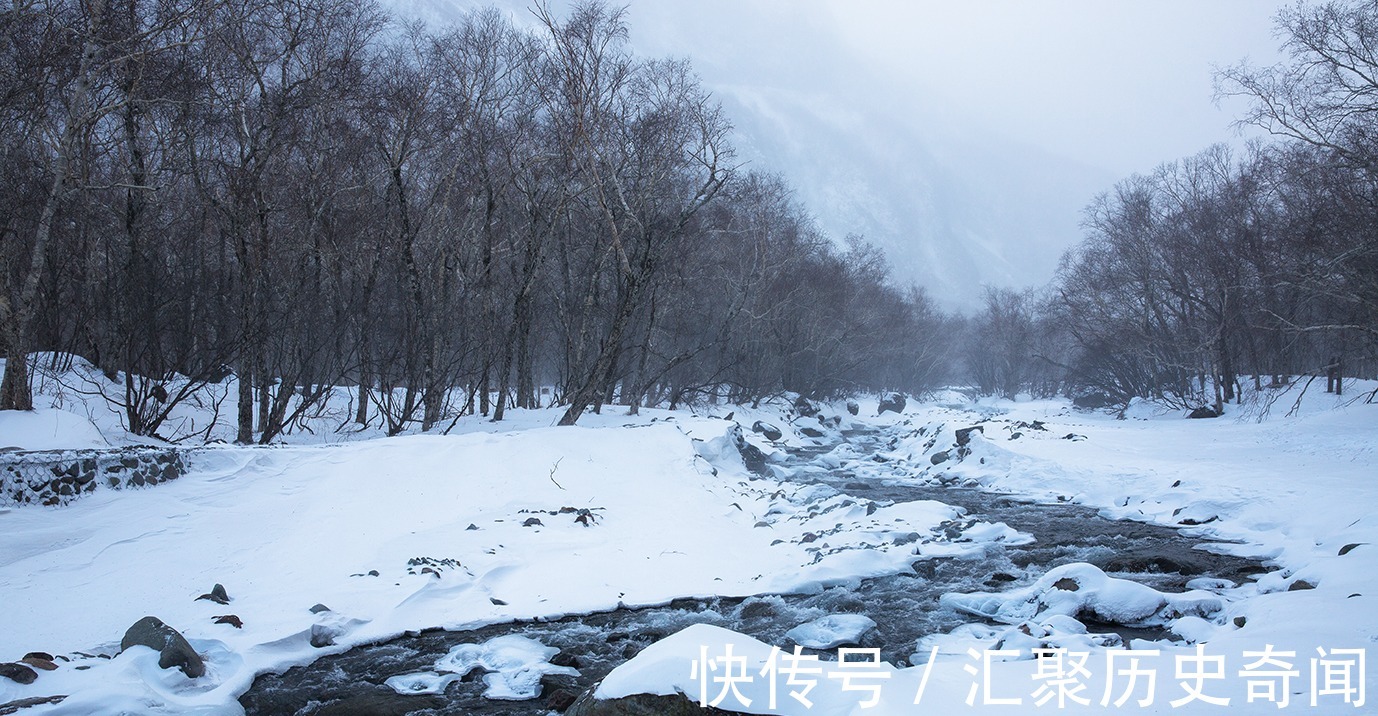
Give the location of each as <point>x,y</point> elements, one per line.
<point>310,193</point>
<point>1261,263</point>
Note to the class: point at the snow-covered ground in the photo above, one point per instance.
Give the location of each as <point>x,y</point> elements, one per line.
<point>522,520</point>
<point>1300,491</point>
<point>494,523</point>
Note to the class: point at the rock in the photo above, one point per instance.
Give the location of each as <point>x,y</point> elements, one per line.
<point>565,658</point>
<point>939,457</point>
<point>1349,548</point>
<point>804,407</point>
<point>230,619</point>
<point>560,700</point>
<point>1066,584</point>
<point>18,673</point>
<point>964,435</point>
<point>471,527</point>
<point>893,402</point>
<point>39,663</point>
<point>770,431</point>
<point>1240,622</point>
<point>1147,561</point>
<point>39,655</point>
<point>810,432</point>
<point>831,631</point>
<point>317,609</point>
<point>757,608</point>
<point>172,647</point>
<point>217,595</point>
<point>729,416</point>
<point>1300,585</point>
<point>323,635</point>
<point>497,602</point>
<point>856,486</point>
<point>853,408</point>
<point>1203,412</point>
<point>532,522</point>
<point>13,707</point>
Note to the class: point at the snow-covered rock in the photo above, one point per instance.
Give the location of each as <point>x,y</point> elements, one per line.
<point>831,631</point>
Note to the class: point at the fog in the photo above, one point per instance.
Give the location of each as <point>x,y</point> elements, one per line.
<point>963,138</point>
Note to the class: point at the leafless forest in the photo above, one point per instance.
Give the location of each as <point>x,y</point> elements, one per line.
<point>309,194</point>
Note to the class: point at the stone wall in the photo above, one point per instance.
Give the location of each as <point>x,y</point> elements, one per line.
<point>56,477</point>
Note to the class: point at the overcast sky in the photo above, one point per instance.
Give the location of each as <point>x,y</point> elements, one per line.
<point>1117,84</point>
<point>996,103</point>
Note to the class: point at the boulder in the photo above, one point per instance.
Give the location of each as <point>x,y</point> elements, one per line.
<point>323,635</point>
<point>770,431</point>
<point>809,432</point>
<point>853,408</point>
<point>964,435</point>
<point>18,673</point>
<point>172,647</point>
<point>893,402</point>
<point>217,595</point>
<point>938,458</point>
<point>1202,413</point>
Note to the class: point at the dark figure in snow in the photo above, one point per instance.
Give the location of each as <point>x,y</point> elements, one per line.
<point>1333,380</point>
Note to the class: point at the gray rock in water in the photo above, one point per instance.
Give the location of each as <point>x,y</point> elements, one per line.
<point>810,432</point>
<point>172,647</point>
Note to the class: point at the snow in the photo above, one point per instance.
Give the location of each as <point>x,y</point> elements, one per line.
<point>674,513</point>
<point>515,665</point>
<point>378,531</point>
<point>1293,487</point>
<point>831,631</point>
<point>48,429</point>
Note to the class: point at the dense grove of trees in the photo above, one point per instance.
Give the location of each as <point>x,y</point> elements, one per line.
<point>309,193</point>
<point>1228,265</point>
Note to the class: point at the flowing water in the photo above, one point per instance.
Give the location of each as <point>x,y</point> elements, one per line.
<point>905,607</point>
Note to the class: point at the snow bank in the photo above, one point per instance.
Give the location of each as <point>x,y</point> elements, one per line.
<point>48,429</point>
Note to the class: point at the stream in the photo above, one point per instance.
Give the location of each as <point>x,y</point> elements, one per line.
<point>905,607</point>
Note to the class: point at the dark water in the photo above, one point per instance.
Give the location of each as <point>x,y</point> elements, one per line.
<point>905,607</point>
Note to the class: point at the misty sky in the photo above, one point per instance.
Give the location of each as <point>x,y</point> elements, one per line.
<point>963,136</point>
